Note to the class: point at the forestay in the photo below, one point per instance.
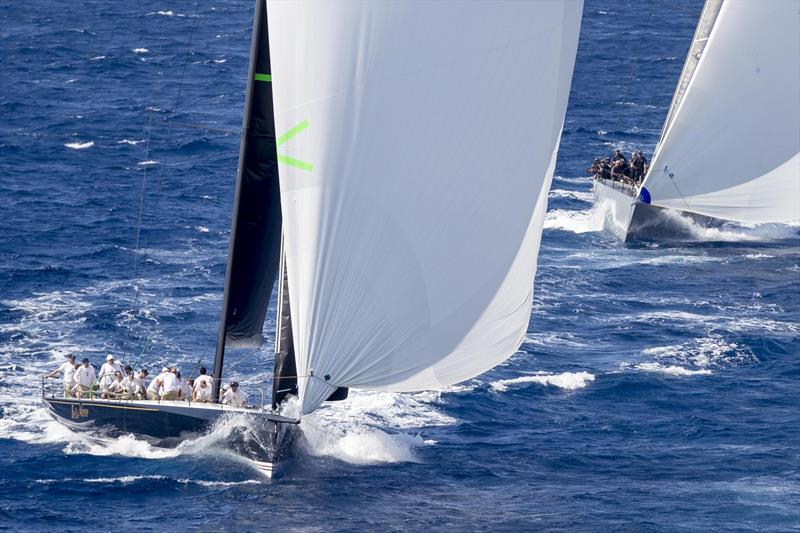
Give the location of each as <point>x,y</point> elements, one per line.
<point>417,143</point>
<point>732,150</point>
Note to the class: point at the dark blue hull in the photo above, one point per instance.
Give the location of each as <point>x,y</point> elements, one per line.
<point>264,437</point>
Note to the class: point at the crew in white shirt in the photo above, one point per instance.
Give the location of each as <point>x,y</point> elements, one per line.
<point>68,369</point>
<point>203,377</point>
<point>107,372</point>
<point>154,389</point>
<point>115,388</point>
<point>135,385</point>
<point>170,387</point>
<point>186,388</point>
<point>84,378</point>
<point>233,396</point>
<point>202,391</point>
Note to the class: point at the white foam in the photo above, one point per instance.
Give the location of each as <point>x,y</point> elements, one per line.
<point>149,162</point>
<point>671,370</point>
<point>372,427</point>
<point>140,51</point>
<point>565,380</point>
<point>590,220</point>
<point>202,229</point>
<point>79,145</point>
<point>584,196</point>
<point>97,58</point>
<point>130,141</point>
<point>220,61</point>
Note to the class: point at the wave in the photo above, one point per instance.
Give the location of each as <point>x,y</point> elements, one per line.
<point>573,221</point>
<point>79,145</point>
<point>373,427</point>
<point>584,196</point>
<point>565,380</point>
<point>127,480</point>
<point>140,51</point>
<point>670,370</point>
<point>148,163</point>
<point>130,141</point>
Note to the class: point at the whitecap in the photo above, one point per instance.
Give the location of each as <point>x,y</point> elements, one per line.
<point>79,145</point>
<point>220,61</point>
<point>140,51</point>
<point>97,58</point>
<point>130,141</point>
<point>671,370</point>
<point>565,380</point>
<point>147,163</point>
<point>584,196</point>
<point>573,221</point>
<point>202,229</point>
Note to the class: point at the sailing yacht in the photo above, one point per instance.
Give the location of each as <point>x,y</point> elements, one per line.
<point>730,146</point>
<point>393,177</point>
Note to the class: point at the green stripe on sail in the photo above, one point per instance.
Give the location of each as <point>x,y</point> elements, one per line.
<point>302,165</point>
<point>291,133</point>
<point>263,77</point>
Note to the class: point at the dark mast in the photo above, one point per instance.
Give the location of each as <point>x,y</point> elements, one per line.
<point>254,251</point>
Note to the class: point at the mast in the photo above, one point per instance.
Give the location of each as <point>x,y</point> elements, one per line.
<point>256,222</point>
<point>284,379</point>
<point>705,24</point>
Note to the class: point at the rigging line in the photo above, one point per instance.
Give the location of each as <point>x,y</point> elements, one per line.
<point>161,172</point>
<point>138,236</point>
<point>635,63</point>
<point>242,358</point>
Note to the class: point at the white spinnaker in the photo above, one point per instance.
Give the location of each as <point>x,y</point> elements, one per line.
<point>422,144</point>
<point>733,148</point>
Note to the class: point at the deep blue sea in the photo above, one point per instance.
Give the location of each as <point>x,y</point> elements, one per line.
<point>658,388</point>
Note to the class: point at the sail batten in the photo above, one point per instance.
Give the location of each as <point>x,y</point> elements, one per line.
<point>731,148</point>
<point>412,231</point>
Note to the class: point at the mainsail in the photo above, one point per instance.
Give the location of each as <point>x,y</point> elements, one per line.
<point>417,143</point>
<point>731,148</point>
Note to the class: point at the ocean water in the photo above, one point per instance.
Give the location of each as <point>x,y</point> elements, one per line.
<point>658,387</point>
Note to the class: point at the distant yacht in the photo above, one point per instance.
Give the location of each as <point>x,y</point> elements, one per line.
<point>415,144</point>
<point>730,147</point>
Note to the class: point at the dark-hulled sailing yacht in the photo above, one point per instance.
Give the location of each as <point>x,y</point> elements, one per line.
<point>254,260</point>
<point>416,145</point>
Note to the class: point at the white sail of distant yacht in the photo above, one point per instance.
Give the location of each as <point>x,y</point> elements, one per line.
<point>730,147</point>
<point>420,144</point>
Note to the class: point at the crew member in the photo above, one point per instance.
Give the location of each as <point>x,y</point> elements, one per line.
<point>115,389</point>
<point>170,387</point>
<point>233,396</point>
<point>184,388</point>
<point>108,371</point>
<point>84,378</point>
<point>68,369</point>
<point>202,391</point>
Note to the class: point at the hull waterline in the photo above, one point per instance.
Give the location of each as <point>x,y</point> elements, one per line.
<point>633,220</point>
<point>266,440</point>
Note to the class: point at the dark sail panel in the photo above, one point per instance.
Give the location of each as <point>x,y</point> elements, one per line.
<point>256,232</point>
<point>284,380</point>
<point>256,225</point>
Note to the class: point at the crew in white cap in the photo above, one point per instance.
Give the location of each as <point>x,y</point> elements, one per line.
<point>107,372</point>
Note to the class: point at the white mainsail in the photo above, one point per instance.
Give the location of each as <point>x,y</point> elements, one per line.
<point>732,147</point>
<point>417,142</point>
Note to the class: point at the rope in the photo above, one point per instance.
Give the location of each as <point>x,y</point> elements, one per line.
<point>160,176</point>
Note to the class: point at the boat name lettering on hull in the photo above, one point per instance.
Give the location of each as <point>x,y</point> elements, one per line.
<point>79,412</point>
